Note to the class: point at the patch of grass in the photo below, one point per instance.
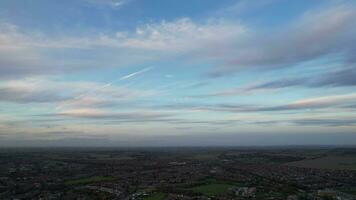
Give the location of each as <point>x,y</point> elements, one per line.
<point>205,156</point>
<point>349,190</point>
<point>94,179</point>
<point>213,189</point>
<point>156,196</point>
<point>212,180</point>
<point>328,162</point>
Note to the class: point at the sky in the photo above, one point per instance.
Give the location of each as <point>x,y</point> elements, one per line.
<point>177,73</point>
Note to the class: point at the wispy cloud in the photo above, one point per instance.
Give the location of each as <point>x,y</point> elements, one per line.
<point>338,78</point>
<point>98,114</point>
<point>182,35</point>
<point>332,79</point>
<point>30,91</point>
<point>316,103</point>
<point>317,33</point>
<point>71,94</point>
<point>243,6</point>
<point>325,122</point>
<point>48,63</point>
<point>95,96</point>
<point>316,122</point>
<point>110,3</point>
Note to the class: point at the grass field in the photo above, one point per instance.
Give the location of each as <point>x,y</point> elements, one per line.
<point>328,162</point>
<point>205,156</point>
<point>88,180</point>
<point>351,190</point>
<point>213,189</point>
<point>156,196</point>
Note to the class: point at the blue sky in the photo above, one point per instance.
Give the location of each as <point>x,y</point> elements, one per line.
<point>172,73</point>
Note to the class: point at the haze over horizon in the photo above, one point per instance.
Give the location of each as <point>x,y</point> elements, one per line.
<point>168,73</point>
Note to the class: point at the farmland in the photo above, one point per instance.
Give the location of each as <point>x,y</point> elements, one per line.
<point>328,162</point>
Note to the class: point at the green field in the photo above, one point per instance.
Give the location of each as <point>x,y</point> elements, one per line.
<point>94,179</point>
<point>351,190</point>
<point>328,162</point>
<point>213,189</point>
<point>209,156</point>
<point>156,196</point>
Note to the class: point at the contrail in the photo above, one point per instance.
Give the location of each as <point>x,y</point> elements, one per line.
<point>121,79</point>
<point>135,73</point>
<point>109,84</point>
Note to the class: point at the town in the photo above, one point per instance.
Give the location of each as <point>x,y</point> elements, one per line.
<point>178,173</point>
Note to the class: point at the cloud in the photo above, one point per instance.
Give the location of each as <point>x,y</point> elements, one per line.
<point>244,6</point>
<point>16,55</point>
<point>88,98</point>
<point>304,104</point>
<point>317,33</point>
<point>233,45</point>
<point>345,77</point>
<point>340,78</point>
<point>74,141</point>
<point>111,3</point>
<point>182,35</point>
<point>199,139</point>
<point>318,122</point>
<point>98,114</point>
<point>336,78</point>
<point>70,94</point>
<point>26,53</point>
<point>325,122</point>
<point>28,92</point>
<point>324,102</point>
